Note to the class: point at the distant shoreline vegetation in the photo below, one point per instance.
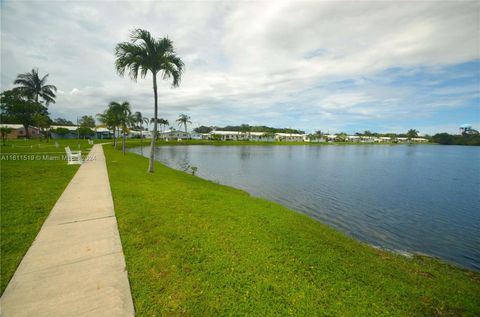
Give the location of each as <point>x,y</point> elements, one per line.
<point>456,139</point>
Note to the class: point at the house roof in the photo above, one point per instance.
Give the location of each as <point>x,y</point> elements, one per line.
<point>68,127</point>
<point>12,126</point>
<point>290,134</point>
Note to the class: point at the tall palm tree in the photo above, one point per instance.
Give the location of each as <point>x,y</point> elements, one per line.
<point>145,54</point>
<point>33,87</point>
<point>183,119</point>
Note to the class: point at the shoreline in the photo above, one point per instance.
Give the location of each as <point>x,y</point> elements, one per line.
<point>222,225</point>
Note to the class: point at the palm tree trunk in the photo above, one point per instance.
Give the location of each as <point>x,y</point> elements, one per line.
<point>115,137</point>
<point>27,133</point>
<point>123,143</point>
<point>151,168</point>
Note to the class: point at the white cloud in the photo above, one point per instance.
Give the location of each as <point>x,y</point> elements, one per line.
<point>246,61</point>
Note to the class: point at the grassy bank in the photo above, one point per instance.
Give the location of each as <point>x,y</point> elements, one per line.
<point>30,186</point>
<point>197,248</point>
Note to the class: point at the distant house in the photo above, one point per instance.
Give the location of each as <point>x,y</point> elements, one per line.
<point>261,136</point>
<point>331,137</point>
<point>402,140</point>
<point>419,140</point>
<point>228,135</point>
<point>199,136</point>
<point>385,139</point>
<point>103,133</point>
<point>314,139</point>
<point>18,131</point>
<point>70,131</point>
<point>174,135</point>
<point>289,137</point>
<point>353,138</point>
<point>367,139</point>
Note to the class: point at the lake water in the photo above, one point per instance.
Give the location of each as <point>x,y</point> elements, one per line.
<point>406,198</point>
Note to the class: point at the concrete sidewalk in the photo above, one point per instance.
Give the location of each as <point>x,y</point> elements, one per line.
<point>75,266</point>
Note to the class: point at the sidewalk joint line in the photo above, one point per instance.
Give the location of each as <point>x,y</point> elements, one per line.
<point>83,220</point>
<point>74,262</point>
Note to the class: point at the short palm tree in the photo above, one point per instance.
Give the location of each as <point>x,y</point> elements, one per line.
<point>111,119</point>
<point>144,54</point>
<point>183,119</point>
<point>125,119</point>
<point>34,88</point>
<point>139,121</point>
<point>412,133</point>
<point>162,124</point>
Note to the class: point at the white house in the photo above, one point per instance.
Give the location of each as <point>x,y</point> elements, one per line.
<point>261,136</point>
<point>174,135</point>
<point>367,138</point>
<point>385,139</point>
<point>353,138</point>
<point>401,140</point>
<point>199,136</point>
<point>228,135</point>
<point>289,137</point>
<point>419,140</point>
<point>331,137</point>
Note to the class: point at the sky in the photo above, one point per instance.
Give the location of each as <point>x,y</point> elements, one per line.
<point>310,65</point>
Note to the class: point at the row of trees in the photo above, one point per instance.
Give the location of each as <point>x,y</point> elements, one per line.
<point>458,139</point>
<point>412,133</point>
<point>245,128</point>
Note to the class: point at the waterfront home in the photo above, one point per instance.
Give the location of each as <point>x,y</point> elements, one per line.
<point>199,136</point>
<point>353,138</point>
<point>419,140</point>
<point>367,138</point>
<point>18,131</point>
<point>331,137</point>
<point>289,137</point>
<point>385,139</point>
<point>174,135</point>
<point>228,135</point>
<point>314,139</point>
<point>261,136</point>
<point>402,140</point>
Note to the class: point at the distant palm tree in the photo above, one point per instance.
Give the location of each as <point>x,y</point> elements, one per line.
<point>161,122</point>
<point>139,121</point>
<point>183,119</point>
<point>145,54</point>
<point>412,133</point>
<point>107,119</point>
<point>33,87</point>
<point>111,118</point>
<point>125,119</point>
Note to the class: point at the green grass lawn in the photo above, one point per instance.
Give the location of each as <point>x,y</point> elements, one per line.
<point>29,189</point>
<point>196,248</point>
